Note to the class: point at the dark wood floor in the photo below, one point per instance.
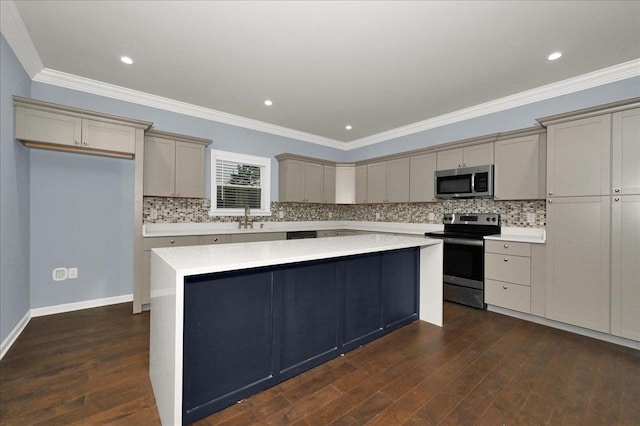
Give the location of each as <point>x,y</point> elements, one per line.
<point>91,367</point>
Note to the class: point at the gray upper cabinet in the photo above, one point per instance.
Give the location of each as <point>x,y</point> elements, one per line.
<point>50,126</point>
<point>329,187</point>
<point>625,177</point>
<point>469,156</point>
<point>303,181</point>
<point>421,181</point>
<point>520,168</point>
<point>388,181</point>
<point>174,165</point>
<point>361,184</point>
<point>578,157</point>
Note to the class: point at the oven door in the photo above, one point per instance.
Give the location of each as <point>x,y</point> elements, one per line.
<point>463,271</point>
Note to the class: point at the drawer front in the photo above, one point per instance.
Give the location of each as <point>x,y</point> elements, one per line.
<point>157,242</point>
<point>513,269</point>
<point>214,239</point>
<point>507,247</point>
<point>508,295</point>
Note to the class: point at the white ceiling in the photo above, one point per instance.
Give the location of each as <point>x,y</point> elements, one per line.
<point>375,65</point>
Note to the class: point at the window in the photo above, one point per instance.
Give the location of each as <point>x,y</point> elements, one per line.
<point>239,181</point>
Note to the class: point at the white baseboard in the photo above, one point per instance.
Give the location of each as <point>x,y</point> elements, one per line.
<point>567,327</point>
<point>11,338</point>
<point>87,304</point>
<point>58,309</point>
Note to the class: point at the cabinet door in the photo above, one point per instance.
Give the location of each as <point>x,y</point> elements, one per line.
<point>626,152</point>
<point>578,261</point>
<point>578,154</point>
<point>450,159</point>
<point>478,155</point>
<point>291,184</point>
<point>361,184</point>
<point>421,181</point>
<point>313,182</point>
<point>398,176</point>
<point>360,277</point>
<point>189,170</point>
<point>257,236</point>
<point>329,186</point>
<point>108,136</point>
<point>625,267</point>
<point>517,169</point>
<point>377,182</point>
<point>41,126</point>
<point>400,287</point>
<point>159,167</point>
<point>346,184</point>
<point>310,301</point>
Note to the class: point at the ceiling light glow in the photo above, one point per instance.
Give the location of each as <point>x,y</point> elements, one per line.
<point>348,127</point>
<point>127,60</point>
<point>268,102</point>
<point>554,56</point>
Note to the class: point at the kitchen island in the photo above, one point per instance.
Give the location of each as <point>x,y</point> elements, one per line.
<point>229,321</point>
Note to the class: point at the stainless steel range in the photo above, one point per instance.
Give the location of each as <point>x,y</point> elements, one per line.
<point>463,267</point>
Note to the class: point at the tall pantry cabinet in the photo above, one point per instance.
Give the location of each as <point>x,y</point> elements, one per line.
<point>593,218</point>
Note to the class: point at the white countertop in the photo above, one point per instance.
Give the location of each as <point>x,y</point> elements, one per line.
<point>194,260</point>
<point>179,229</point>
<point>523,235</point>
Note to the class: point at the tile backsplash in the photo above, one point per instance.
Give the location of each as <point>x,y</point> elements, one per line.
<point>185,210</point>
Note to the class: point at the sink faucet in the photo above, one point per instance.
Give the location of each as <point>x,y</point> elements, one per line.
<point>245,222</point>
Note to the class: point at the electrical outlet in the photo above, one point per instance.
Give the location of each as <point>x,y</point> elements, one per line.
<point>280,215</point>
<point>73,273</point>
<point>531,218</point>
<point>330,215</point>
<point>60,274</point>
<point>377,216</point>
<point>153,214</point>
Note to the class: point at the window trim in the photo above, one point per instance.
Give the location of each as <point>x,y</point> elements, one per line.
<point>265,182</point>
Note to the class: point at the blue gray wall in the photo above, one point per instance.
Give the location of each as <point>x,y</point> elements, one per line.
<point>14,198</point>
<point>503,121</point>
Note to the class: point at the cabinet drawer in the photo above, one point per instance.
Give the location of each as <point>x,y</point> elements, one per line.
<point>214,239</point>
<point>507,247</point>
<point>513,269</point>
<point>157,242</point>
<point>507,295</point>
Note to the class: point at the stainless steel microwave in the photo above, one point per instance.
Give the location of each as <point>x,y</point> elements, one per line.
<point>466,182</point>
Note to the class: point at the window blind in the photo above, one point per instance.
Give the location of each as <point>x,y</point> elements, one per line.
<point>238,185</point>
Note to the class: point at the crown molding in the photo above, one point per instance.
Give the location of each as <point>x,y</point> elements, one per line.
<point>571,85</point>
<point>74,82</point>
<point>15,32</point>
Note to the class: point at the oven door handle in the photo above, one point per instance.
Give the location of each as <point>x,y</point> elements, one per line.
<point>464,242</point>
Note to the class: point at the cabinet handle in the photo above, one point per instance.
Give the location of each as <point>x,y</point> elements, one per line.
<point>172,241</point>
<point>616,190</point>
<point>76,142</point>
<point>616,199</point>
<point>504,286</point>
<point>506,246</point>
<point>506,260</point>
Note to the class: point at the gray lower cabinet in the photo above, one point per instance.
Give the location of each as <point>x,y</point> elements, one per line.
<point>421,180</point>
<point>257,236</point>
<point>625,266</point>
<point>174,165</point>
<point>520,168</point>
<point>325,234</point>
<point>507,274</point>
<point>245,331</point>
<point>578,242</point>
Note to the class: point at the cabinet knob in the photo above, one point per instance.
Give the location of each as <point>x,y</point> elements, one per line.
<point>215,240</point>
<point>459,165</point>
<point>550,201</point>
<point>550,193</point>
<point>76,142</point>
<point>616,199</point>
<point>506,246</point>
<point>172,241</point>
<point>85,143</point>
<point>504,286</point>
<point>177,194</point>
<point>495,197</point>
<point>506,260</point>
<point>464,164</point>
<point>616,190</point>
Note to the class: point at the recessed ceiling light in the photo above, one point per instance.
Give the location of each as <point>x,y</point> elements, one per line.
<point>268,102</point>
<point>348,127</point>
<point>127,60</point>
<point>554,56</point>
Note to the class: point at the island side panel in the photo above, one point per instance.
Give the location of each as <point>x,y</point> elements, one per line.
<point>431,283</point>
<point>165,348</point>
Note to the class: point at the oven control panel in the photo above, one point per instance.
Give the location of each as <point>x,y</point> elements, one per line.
<point>471,219</point>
